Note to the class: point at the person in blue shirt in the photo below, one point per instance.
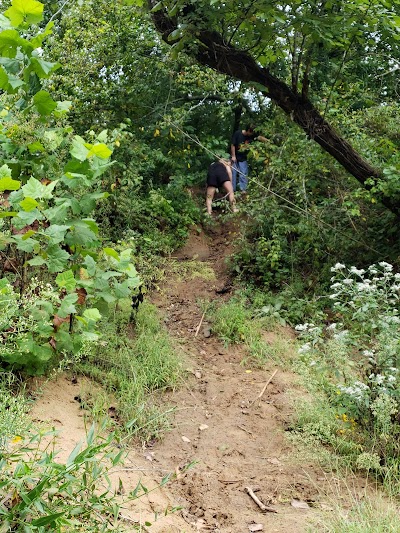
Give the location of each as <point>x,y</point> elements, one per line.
<point>240,168</point>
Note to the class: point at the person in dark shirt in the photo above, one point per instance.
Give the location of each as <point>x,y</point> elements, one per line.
<point>240,168</point>
<point>219,175</point>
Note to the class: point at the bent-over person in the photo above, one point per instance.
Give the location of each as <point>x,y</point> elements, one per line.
<point>219,175</point>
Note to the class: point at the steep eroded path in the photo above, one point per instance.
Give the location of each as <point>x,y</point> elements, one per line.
<point>235,443</point>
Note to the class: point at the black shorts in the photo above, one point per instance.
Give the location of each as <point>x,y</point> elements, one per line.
<point>217,175</point>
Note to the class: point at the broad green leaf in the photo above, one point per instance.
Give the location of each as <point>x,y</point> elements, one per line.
<point>28,204</point>
<point>106,296</point>
<point>40,37</point>
<point>8,82</point>
<point>133,279</point>
<point>36,261</point>
<point>66,280</point>
<point>44,103</point>
<point>102,136</point>
<point>99,166</point>
<point>79,150</point>
<point>62,108</point>
<point>67,305</point>
<point>80,234</point>
<point>10,40</point>
<point>92,225</point>
<point>28,234</point>
<point>111,252</point>
<point>26,244</point>
<point>15,83</point>
<point>34,189</point>
<point>111,274</point>
<point>25,12</point>
<point>4,84</point>
<point>11,65</point>
<point>90,264</point>
<point>88,201</point>
<point>26,218</point>
<point>56,233</point>
<point>5,171</point>
<point>42,68</point>
<point>36,147</point>
<point>99,150</point>
<point>57,214</point>
<point>122,290</point>
<point>8,184</point>
<point>57,258</point>
<point>92,314</point>
<point>4,214</point>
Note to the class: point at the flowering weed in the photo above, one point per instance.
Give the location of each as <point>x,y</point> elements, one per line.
<point>355,361</point>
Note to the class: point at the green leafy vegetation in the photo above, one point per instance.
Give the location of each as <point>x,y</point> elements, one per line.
<point>110,113</point>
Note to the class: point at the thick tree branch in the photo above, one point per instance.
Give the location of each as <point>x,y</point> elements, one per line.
<point>213,52</point>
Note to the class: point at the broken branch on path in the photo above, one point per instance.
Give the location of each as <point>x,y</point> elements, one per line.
<point>260,504</point>
<point>199,326</point>
<point>264,388</point>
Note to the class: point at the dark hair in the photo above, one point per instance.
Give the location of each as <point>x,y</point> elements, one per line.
<point>250,127</point>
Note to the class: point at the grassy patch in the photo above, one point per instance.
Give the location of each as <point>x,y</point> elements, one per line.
<point>369,516</point>
<point>235,323</point>
<point>133,368</point>
<point>13,409</point>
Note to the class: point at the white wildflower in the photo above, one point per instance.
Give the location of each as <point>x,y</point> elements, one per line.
<point>386,266</point>
<point>357,271</point>
<point>338,266</point>
<point>301,327</point>
<point>368,353</point>
<point>305,348</point>
<point>348,281</point>
<point>341,335</point>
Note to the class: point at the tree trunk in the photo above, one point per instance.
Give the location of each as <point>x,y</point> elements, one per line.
<point>226,59</point>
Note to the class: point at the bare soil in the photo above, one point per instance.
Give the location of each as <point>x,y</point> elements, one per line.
<point>236,439</point>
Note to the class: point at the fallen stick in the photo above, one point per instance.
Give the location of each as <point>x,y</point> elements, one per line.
<point>245,430</point>
<point>260,504</point>
<point>264,389</point>
<point>199,326</point>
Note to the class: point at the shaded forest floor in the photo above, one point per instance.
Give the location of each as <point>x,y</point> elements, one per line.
<point>236,439</point>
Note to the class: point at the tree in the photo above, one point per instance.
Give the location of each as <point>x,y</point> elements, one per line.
<point>294,52</point>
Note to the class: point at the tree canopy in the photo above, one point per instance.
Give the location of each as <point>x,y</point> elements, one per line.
<point>297,53</point>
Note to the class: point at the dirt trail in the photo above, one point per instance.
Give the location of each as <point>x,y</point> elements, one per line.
<point>234,443</point>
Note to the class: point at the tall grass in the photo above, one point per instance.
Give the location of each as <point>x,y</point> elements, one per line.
<point>134,367</point>
<point>369,516</point>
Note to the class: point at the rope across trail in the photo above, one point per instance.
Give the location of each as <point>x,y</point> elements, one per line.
<point>290,205</point>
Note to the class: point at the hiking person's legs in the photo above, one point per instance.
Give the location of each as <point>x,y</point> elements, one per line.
<point>235,174</point>
<point>229,189</point>
<point>243,175</point>
<point>209,198</point>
